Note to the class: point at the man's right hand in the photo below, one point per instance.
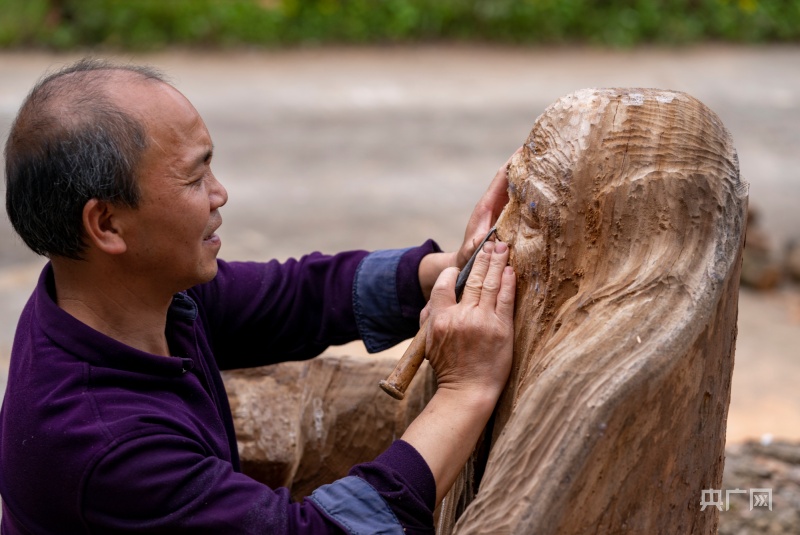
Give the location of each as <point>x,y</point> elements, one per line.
<point>470,347</point>
<point>469,343</point>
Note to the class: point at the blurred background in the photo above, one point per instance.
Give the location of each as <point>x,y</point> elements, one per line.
<point>373,124</point>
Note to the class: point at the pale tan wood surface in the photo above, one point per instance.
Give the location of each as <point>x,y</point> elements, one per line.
<point>626,223</point>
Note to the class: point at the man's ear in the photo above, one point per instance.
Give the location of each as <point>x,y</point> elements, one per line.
<point>100,224</point>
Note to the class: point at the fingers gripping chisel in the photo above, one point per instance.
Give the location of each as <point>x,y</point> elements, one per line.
<point>396,384</point>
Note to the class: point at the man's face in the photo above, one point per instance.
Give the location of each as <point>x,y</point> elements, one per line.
<point>170,239</point>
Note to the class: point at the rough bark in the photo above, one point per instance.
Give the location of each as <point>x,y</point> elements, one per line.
<point>626,223</point>
<point>304,424</point>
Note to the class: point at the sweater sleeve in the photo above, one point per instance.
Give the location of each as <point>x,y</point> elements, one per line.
<point>402,478</point>
<point>171,486</point>
<point>387,297</point>
<point>262,313</point>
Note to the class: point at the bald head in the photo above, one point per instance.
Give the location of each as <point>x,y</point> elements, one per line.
<point>74,139</point>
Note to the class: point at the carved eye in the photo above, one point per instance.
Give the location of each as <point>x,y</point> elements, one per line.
<point>530,218</point>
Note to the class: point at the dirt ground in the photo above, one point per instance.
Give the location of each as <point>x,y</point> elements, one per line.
<point>374,148</point>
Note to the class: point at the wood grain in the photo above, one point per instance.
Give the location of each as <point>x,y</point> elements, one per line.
<point>626,225</point>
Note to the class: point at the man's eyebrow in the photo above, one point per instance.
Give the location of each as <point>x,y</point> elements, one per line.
<point>202,158</point>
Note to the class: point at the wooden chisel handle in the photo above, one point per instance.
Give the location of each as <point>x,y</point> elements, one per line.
<point>396,384</point>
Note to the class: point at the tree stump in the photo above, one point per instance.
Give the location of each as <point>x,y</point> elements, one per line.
<point>626,224</point>
<point>304,424</point>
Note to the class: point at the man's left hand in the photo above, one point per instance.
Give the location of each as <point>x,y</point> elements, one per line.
<point>483,217</point>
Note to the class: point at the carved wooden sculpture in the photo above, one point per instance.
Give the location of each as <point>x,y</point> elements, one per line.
<point>626,224</point>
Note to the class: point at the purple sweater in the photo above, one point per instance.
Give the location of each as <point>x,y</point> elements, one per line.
<point>98,437</point>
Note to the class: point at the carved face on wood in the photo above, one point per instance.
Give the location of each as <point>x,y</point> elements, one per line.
<point>610,197</point>
<point>626,224</point>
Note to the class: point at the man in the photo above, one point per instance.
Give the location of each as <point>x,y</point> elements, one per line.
<point>115,418</point>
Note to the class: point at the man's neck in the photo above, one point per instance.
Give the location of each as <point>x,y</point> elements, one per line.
<point>128,313</point>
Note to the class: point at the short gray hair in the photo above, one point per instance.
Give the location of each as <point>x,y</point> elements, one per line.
<point>71,143</point>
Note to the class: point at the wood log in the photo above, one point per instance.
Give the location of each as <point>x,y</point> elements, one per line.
<point>626,224</point>
<point>304,424</point>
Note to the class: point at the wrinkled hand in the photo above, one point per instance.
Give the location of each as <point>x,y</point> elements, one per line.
<point>470,343</point>
<point>485,213</point>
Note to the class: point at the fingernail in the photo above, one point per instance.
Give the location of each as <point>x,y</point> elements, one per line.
<point>500,247</point>
<point>488,247</point>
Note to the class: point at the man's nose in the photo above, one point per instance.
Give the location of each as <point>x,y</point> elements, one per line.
<point>218,193</point>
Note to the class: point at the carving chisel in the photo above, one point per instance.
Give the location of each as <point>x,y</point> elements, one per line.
<point>396,384</point>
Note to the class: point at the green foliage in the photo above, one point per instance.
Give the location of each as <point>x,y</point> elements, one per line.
<point>151,24</point>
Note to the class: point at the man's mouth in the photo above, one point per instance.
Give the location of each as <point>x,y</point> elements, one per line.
<point>212,234</point>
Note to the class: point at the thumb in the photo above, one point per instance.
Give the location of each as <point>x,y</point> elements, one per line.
<point>443,293</point>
